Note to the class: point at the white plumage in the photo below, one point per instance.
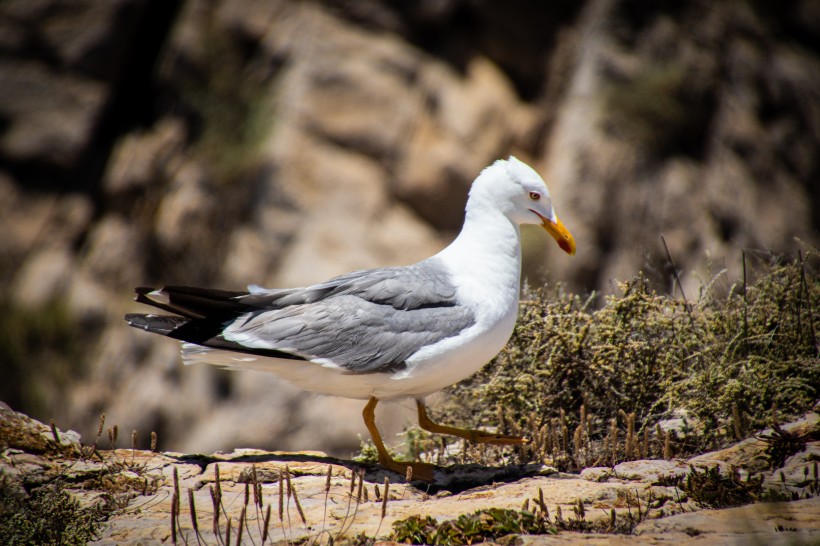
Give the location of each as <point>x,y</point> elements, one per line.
<point>382,333</point>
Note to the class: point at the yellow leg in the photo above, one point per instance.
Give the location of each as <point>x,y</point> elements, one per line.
<point>421,471</point>
<point>475,436</point>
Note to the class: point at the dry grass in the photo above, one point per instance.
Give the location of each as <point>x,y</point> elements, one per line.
<point>591,386</point>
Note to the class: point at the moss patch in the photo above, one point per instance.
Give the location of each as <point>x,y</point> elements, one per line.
<point>48,515</point>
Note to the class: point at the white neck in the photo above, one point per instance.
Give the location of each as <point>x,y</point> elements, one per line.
<point>485,261</point>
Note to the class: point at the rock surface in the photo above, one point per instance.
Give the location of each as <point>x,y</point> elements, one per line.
<point>143,485</point>
<point>281,142</point>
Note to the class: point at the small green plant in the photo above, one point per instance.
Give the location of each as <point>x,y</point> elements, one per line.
<point>495,523</point>
<point>44,508</point>
<point>710,488</point>
<point>480,526</point>
<point>367,452</point>
<point>47,515</point>
<point>782,444</point>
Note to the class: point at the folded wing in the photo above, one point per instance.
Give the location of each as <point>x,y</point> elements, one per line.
<point>367,321</point>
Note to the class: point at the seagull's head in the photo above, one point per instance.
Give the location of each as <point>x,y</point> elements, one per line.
<point>515,189</point>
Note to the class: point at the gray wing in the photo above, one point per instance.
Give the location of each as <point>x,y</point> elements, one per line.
<point>366,322</point>
<point>425,284</point>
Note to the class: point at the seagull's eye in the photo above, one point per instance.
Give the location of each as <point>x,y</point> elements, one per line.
<point>535,196</point>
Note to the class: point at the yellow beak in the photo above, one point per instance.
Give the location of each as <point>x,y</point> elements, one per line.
<point>561,234</point>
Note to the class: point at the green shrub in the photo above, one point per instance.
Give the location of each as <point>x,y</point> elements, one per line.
<point>48,515</point>
<point>726,362</point>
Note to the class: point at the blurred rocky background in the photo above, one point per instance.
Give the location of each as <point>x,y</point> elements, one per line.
<point>279,142</point>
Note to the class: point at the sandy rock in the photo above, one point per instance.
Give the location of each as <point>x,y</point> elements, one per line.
<point>250,254</point>
<point>474,120</point>
<point>43,277</point>
<point>87,302</point>
<point>145,159</point>
<point>746,453</point>
<point>87,37</point>
<point>60,66</point>
<point>252,481</point>
<point>23,434</point>
<point>597,473</point>
<point>35,222</point>
<point>51,116</point>
<point>765,523</point>
<point>23,217</point>
<point>351,230</point>
<point>649,470</point>
<point>716,190</point>
<point>798,472</point>
<point>188,203</point>
<point>115,246</point>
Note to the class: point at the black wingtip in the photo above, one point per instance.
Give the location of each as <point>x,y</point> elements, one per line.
<point>194,303</point>
<point>158,324</point>
<point>141,292</point>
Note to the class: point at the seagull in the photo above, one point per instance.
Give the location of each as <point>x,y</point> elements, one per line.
<point>385,333</point>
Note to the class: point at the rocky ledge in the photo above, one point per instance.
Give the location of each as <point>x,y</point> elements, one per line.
<point>147,497</point>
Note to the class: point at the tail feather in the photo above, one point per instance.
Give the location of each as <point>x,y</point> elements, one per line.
<point>194,302</point>
<point>199,314</point>
<point>142,297</point>
<point>204,332</point>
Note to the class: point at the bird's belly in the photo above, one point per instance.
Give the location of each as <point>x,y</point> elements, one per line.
<point>449,361</point>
